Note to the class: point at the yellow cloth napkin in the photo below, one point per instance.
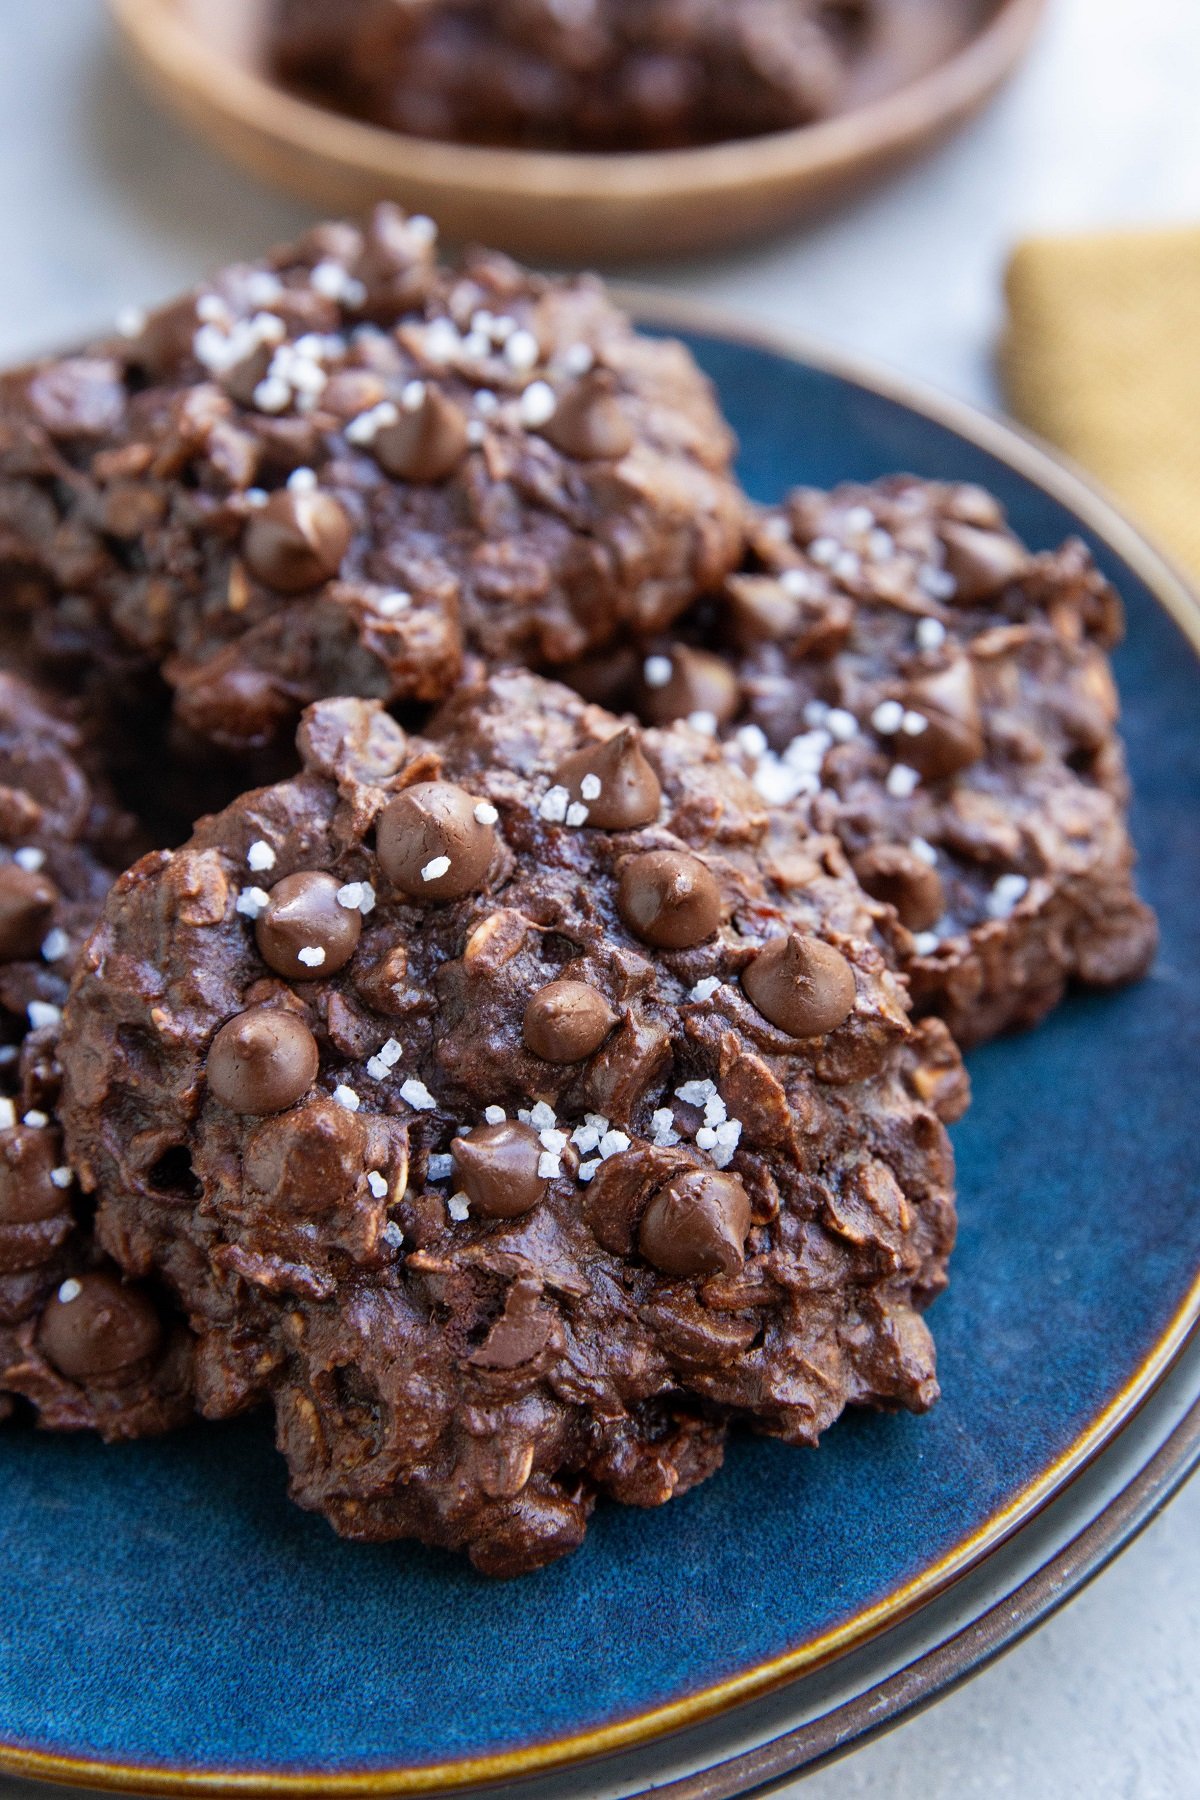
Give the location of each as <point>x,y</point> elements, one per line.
<point>1102,357</point>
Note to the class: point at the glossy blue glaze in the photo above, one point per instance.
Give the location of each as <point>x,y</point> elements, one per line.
<point>164,1603</point>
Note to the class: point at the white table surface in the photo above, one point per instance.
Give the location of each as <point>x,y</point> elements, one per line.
<point>104,203</point>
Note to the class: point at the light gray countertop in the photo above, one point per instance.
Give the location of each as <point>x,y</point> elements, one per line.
<point>103,204</point>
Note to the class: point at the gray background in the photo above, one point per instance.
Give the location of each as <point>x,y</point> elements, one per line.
<point>103,203</point>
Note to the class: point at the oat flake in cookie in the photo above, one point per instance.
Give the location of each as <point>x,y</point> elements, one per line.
<point>563,1167</point>
<point>79,1344</point>
<point>899,669</point>
<point>330,472</point>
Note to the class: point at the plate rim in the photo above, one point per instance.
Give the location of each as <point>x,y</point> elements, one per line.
<point>300,144</point>
<point>1055,475</point>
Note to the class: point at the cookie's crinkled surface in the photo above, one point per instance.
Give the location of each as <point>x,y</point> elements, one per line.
<point>84,1348</point>
<point>593,75</point>
<point>897,668</point>
<point>479,1283</point>
<point>332,471</point>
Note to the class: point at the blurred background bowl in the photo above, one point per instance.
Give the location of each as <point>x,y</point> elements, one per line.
<point>932,64</point>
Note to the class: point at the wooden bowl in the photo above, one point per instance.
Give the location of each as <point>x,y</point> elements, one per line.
<point>932,66</point>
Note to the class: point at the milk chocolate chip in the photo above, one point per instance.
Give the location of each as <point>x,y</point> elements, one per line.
<point>296,540</point>
<point>305,932</point>
<point>589,422</point>
<point>953,737</point>
<point>669,899</point>
<point>899,877</point>
<point>262,1061</point>
<point>566,1021</point>
<point>426,443</point>
<point>497,1169</point>
<point>981,562</point>
<point>697,1225</point>
<point>27,901</point>
<point>432,842</point>
<point>629,793</point>
<point>699,682</point>
<point>96,1328</point>
<point>802,985</point>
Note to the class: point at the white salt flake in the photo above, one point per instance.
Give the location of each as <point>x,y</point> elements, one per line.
<point>859,518</point>
<point>494,1115</point>
<point>421,230</point>
<point>585,1138</point>
<point>36,1119</point>
<point>392,1235</point>
<point>696,1093</point>
<point>553,1140</point>
<point>751,740</point>
<point>902,782</point>
<point>521,350</point>
<point>62,1177</point>
<point>840,724</point>
<point>131,321</point>
<point>311,955</point>
<point>815,713</point>
<point>706,1138</point>
<point>924,849</point>
<point>824,551</point>
<point>260,856</point>
<point>728,1137</point>
<point>436,868</point>
<point>8,1115</point>
<point>703,722</point>
<point>887,717</point>
<point>554,805</point>
<point>42,1013</point>
<point>588,1169</point>
<point>351,895</point>
<point>577,813</point>
<point>459,1207</point>
<point>56,944</point>
<point>590,786</point>
<point>612,1143</point>
<point>485,403</point>
<point>705,988</point>
<point>412,396</point>
<point>252,901</point>
<point>365,428</point>
<point>578,359</point>
<point>913,724</point>
<point>346,1097</point>
<point>302,481</point>
<point>377,1069</point>
<point>798,584</point>
<point>391,605</point>
<point>1005,895</point>
<point>442,342</point>
<point>440,1166</point>
<point>377,1183</point>
<point>656,671</point>
<point>69,1290</point>
<point>926,943</point>
<point>485,813</point>
<point>29,858</point>
<point>390,1053</point>
<point>937,583</point>
<point>272,395</point>
<point>417,1095</point>
<point>715,1110</point>
<point>931,634</point>
<point>538,404</point>
<point>542,1117</point>
<point>549,1167</point>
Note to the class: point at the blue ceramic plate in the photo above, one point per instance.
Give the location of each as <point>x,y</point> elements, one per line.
<point>168,1620</point>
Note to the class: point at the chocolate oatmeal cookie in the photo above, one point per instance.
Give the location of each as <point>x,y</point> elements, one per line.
<point>506,1107</point>
<point>896,666</point>
<point>85,1348</point>
<point>328,472</point>
<point>573,74</point>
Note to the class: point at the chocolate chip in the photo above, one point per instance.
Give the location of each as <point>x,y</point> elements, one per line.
<point>97,1329</point>
<point>566,1021</point>
<point>166,339</point>
<point>981,562</point>
<point>262,1061</point>
<point>630,794</point>
<point>669,899</point>
<point>589,422</point>
<point>801,984</point>
<point>303,914</point>
<point>760,610</point>
<point>27,1194</point>
<point>522,1330</point>
<point>699,682</point>
<point>697,1225</point>
<point>27,902</point>
<point>497,1169</point>
<point>899,877</point>
<point>431,844</point>
<point>296,540</point>
<point>953,738</point>
<point>426,443</point>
